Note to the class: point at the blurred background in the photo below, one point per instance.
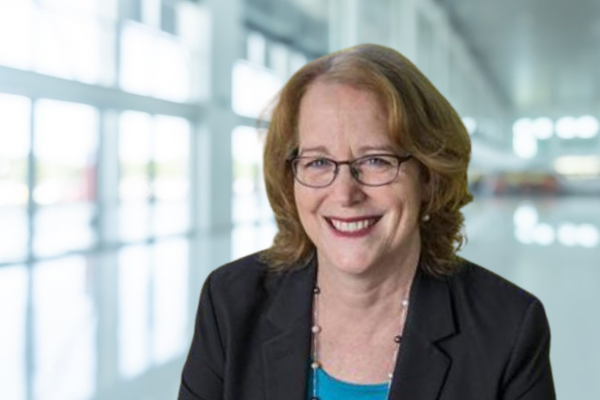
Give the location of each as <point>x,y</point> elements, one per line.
<point>130,167</point>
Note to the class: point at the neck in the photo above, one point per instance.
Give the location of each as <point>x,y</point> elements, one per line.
<point>380,289</point>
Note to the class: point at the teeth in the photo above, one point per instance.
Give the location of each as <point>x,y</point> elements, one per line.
<point>351,226</point>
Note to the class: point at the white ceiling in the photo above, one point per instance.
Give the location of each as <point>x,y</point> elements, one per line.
<point>543,55</point>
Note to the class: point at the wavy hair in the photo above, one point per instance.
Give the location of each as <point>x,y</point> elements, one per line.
<point>420,120</point>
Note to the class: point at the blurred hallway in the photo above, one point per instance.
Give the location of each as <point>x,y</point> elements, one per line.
<point>131,167</point>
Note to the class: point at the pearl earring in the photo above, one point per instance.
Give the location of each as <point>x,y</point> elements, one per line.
<point>426,217</point>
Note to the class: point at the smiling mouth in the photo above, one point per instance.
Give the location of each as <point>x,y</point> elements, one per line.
<point>355,226</point>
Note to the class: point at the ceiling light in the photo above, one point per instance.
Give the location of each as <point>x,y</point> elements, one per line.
<point>588,235</point>
<point>524,236</point>
<point>578,165</point>
<point>566,128</point>
<point>525,216</point>
<point>542,128</point>
<point>525,145</point>
<point>543,234</point>
<point>587,127</point>
<point>567,234</point>
<point>522,126</point>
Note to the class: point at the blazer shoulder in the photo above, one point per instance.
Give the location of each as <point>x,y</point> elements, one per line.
<point>246,277</point>
<point>506,327</point>
<point>490,296</point>
<point>242,268</point>
<point>485,283</point>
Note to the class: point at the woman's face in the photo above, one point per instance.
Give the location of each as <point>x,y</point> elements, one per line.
<point>355,228</point>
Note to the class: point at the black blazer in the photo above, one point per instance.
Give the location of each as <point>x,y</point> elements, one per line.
<point>471,336</point>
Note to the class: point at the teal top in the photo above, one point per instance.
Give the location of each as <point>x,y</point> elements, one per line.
<point>330,388</point>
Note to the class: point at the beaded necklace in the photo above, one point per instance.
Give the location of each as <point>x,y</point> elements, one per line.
<point>316,330</point>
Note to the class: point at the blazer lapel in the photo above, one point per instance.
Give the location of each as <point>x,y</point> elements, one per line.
<point>286,354</point>
<point>422,366</point>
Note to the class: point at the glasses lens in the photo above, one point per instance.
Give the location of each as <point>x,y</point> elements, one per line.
<point>314,171</point>
<point>377,169</point>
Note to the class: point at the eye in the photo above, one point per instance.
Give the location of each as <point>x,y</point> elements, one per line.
<point>377,161</point>
<point>316,163</point>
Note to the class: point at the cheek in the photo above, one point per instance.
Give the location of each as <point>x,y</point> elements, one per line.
<point>305,203</point>
<point>414,192</point>
<point>307,208</point>
<point>407,205</point>
<point>300,200</point>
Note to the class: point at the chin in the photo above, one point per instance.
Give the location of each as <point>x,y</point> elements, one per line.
<point>350,262</point>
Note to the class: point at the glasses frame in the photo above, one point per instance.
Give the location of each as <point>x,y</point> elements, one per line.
<point>293,162</point>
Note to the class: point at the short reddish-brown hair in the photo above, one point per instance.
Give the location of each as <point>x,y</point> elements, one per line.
<point>420,121</point>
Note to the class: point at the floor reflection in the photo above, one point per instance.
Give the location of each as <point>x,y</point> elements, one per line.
<point>153,306</point>
<point>550,247</point>
<point>134,314</point>
<point>13,306</point>
<point>64,345</point>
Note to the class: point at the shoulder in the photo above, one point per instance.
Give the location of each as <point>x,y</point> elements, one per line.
<point>243,276</point>
<point>475,282</point>
<point>486,302</point>
<point>244,286</point>
<point>504,327</point>
<point>248,267</point>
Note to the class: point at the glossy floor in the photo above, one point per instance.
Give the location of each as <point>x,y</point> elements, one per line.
<point>117,326</point>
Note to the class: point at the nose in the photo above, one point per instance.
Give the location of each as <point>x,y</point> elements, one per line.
<point>345,188</point>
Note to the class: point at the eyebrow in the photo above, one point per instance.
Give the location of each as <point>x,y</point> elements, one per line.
<point>316,149</point>
<point>361,150</point>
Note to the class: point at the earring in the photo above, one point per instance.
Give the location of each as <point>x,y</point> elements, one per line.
<point>426,217</point>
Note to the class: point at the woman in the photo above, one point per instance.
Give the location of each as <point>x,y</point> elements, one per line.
<point>362,295</point>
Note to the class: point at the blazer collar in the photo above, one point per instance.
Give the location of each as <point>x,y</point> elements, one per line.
<point>421,367</point>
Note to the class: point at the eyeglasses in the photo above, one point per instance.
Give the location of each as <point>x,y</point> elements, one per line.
<point>370,170</point>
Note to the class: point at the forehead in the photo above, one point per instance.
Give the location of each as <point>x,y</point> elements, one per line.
<point>334,114</point>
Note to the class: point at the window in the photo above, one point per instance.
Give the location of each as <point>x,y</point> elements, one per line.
<point>95,180</point>
<point>256,82</point>
<point>14,171</point>
<point>254,225</point>
<point>65,148</point>
<point>154,63</point>
<point>154,175</point>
